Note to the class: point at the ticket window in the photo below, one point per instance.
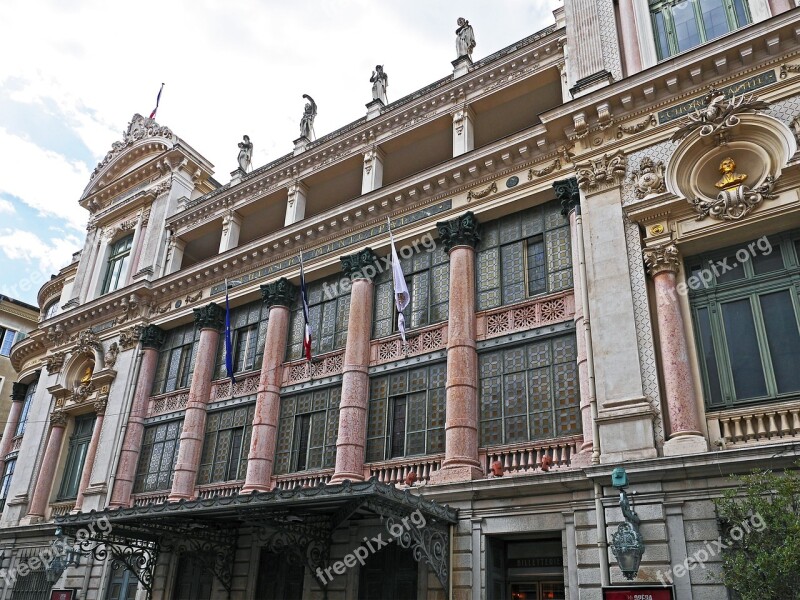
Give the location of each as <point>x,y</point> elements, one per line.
<point>525,569</point>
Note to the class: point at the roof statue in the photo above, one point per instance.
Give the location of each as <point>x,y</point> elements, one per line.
<point>465,38</point>
<point>307,122</point>
<point>245,153</point>
<point>379,81</point>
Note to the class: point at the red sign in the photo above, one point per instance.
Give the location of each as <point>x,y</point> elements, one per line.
<point>62,595</point>
<point>639,593</point>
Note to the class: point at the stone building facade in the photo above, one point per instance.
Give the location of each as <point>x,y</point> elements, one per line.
<point>593,284</point>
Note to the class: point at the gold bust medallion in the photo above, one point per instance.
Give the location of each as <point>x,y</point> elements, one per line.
<point>730,178</point>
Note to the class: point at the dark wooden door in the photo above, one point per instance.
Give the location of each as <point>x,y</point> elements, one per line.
<point>277,579</point>
<point>192,581</point>
<point>390,574</point>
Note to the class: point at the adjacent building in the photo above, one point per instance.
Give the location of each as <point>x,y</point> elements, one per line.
<point>599,227</point>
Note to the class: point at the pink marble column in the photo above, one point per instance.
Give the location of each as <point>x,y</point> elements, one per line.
<point>461,463</point>
<point>778,6</point>
<point>630,38</point>
<point>91,452</point>
<point>151,339</point>
<point>685,437</point>
<point>352,437</point>
<point>17,401</point>
<point>44,482</point>
<point>210,320</point>
<point>567,192</point>
<point>278,296</point>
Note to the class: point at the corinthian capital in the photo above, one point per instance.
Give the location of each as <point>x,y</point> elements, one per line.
<point>662,258</point>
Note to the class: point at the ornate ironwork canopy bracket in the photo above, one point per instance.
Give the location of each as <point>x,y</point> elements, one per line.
<point>304,542</point>
<point>213,547</point>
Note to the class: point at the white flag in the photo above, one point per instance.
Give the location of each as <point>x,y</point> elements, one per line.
<point>401,296</point>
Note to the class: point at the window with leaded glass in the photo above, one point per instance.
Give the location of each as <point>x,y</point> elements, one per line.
<point>529,392</point>
<point>158,456</point>
<point>746,316</point>
<point>76,456</point>
<point>328,311</point>
<point>117,267</point>
<point>680,25</point>
<point>30,392</point>
<point>523,255</point>
<point>176,359</point>
<point>427,276</point>
<point>226,445</point>
<point>249,330</point>
<point>406,413</point>
<point>5,484</point>
<point>309,423</point>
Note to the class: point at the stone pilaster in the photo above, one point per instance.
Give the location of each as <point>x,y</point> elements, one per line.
<point>459,237</point>
<point>352,436</point>
<point>151,338</point>
<point>568,194</point>
<point>209,319</point>
<point>295,203</point>
<point>372,173</point>
<point>663,264</point>
<point>463,130</point>
<point>278,296</point>
<point>231,225</point>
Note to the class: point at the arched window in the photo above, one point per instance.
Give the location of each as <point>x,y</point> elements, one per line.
<point>50,310</point>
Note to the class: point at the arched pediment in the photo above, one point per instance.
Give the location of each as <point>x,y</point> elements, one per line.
<point>143,140</point>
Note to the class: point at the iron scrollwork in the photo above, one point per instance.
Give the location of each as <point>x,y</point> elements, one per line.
<point>138,556</point>
<point>429,544</point>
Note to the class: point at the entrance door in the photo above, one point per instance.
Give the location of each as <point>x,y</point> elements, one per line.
<point>122,584</point>
<point>391,574</point>
<point>192,581</point>
<point>277,579</point>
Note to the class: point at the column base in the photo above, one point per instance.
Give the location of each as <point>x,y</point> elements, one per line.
<point>179,497</point>
<point>31,519</point>
<point>456,474</point>
<point>685,444</point>
<point>581,459</point>
<point>254,487</point>
<point>340,477</point>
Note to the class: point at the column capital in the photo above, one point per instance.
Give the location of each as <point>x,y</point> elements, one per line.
<point>353,265</point>
<point>100,406</point>
<point>278,293</point>
<point>210,316</point>
<point>662,258</point>
<point>58,418</point>
<point>18,391</point>
<point>461,231</point>
<point>152,336</point>
<point>567,193</point>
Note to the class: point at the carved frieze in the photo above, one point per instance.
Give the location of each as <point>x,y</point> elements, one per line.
<point>556,164</point>
<point>602,172</point>
<point>278,293</point>
<point>461,231</point>
<point>478,194</point>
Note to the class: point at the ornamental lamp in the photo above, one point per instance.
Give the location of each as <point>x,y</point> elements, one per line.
<point>627,544</point>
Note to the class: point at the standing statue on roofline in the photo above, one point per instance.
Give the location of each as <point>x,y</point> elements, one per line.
<point>245,153</point>
<point>465,38</point>
<point>379,81</point>
<point>307,122</point>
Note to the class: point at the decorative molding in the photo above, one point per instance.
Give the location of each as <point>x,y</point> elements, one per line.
<point>190,298</point>
<point>129,337</point>
<point>602,172</point>
<point>786,69</point>
<point>353,264</point>
<point>87,342</point>
<point>648,178</point>
<point>477,195</point>
<point>648,121</point>
<point>327,365</point>
<point>566,191</point>
<point>278,293</point>
<point>54,362</point>
<point>152,336</point>
<point>461,231</point>
<point>139,128</point>
<point>210,316</point>
<point>544,171</point>
<point>661,259</point>
<point>736,203</point>
<point>129,305</point>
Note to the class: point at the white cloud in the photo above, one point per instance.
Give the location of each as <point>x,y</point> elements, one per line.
<point>42,179</point>
<point>47,256</point>
<point>6,207</point>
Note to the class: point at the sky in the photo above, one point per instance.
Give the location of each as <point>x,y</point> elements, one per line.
<point>73,73</point>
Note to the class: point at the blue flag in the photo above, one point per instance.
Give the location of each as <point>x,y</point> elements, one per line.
<point>228,337</point>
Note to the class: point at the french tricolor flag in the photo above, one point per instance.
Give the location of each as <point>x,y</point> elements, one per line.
<point>158,99</point>
<point>304,297</point>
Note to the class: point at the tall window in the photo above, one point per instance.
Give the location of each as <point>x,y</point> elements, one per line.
<point>30,392</point>
<point>747,320</point>
<point>679,25</point>
<point>249,328</point>
<point>309,423</point>
<point>50,311</point>
<point>226,445</point>
<point>76,456</point>
<point>529,392</point>
<point>5,484</point>
<point>117,268</point>
<point>428,279</point>
<point>176,359</point>
<point>158,456</point>
<point>6,340</point>
<point>522,255</point>
<point>329,309</point>
<point>406,413</point>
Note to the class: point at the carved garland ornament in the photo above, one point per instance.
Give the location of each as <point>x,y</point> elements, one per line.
<point>544,171</point>
<point>477,195</point>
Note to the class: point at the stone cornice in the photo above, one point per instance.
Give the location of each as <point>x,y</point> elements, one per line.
<point>22,351</point>
<point>533,54</point>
